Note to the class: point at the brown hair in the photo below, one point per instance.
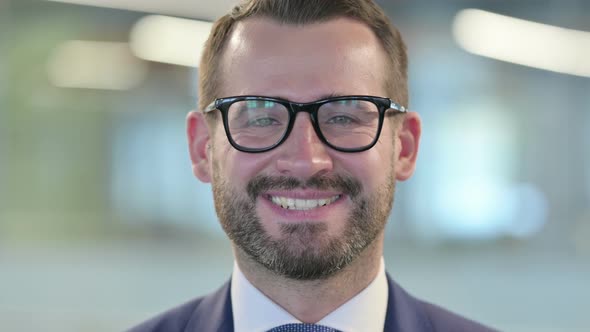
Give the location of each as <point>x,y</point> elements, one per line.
<point>300,12</point>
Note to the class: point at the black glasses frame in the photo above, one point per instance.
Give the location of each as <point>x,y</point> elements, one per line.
<point>223,105</point>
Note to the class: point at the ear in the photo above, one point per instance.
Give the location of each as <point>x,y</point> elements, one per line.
<point>408,134</point>
<point>199,137</point>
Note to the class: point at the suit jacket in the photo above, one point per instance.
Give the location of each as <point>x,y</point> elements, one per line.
<point>213,313</point>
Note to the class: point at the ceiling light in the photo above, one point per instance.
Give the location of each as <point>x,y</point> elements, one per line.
<point>169,40</point>
<point>523,42</point>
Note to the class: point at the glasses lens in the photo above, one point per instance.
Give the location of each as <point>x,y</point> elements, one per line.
<point>349,124</point>
<point>257,124</point>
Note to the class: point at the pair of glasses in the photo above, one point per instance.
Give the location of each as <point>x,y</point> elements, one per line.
<point>347,123</point>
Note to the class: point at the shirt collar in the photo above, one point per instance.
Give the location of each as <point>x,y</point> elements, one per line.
<point>254,312</point>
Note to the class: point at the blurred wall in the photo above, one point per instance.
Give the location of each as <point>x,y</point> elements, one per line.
<point>103,225</point>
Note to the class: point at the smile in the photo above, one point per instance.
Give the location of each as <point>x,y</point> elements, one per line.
<point>301,204</point>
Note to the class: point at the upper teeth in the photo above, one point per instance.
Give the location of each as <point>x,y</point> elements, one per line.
<point>301,204</point>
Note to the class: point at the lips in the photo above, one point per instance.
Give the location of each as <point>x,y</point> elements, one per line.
<point>301,204</point>
<point>317,198</point>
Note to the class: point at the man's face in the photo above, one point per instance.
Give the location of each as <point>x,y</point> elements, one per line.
<point>302,210</point>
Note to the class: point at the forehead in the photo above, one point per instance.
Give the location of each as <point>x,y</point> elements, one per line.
<point>297,62</point>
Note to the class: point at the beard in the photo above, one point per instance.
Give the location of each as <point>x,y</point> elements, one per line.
<point>303,251</point>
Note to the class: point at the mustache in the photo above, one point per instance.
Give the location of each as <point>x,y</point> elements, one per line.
<point>345,184</point>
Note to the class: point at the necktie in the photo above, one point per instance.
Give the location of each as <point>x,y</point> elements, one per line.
<point>302,328</point>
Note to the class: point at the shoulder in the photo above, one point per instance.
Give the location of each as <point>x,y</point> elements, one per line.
<point>175,319</point>
<point>405,312</point>
<point>445,320</point>
<point>208,313</point>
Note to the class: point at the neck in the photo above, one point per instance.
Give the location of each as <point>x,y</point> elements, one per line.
<point>310,301</point>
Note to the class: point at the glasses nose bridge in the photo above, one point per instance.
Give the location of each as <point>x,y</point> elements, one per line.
<point>309,108</point>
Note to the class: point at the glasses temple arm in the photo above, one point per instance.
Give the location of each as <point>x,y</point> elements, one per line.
<point>210,107</point>
<point>397,107</point>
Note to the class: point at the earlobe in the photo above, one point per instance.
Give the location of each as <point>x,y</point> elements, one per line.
<point>409,138</point>
<point>198,144</point>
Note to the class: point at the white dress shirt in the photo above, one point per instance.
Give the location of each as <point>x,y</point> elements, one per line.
<point>254,312</point>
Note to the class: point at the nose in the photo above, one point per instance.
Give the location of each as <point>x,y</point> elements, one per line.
<point>303,154</point>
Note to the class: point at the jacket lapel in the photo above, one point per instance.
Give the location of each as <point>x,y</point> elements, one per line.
<point>214,313</point>
<point>403,312</point>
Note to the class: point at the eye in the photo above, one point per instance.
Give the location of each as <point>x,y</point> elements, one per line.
<point>262,122</point>
<point>341,120</point>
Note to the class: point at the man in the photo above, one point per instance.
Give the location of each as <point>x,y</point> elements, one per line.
<point>302,131</point>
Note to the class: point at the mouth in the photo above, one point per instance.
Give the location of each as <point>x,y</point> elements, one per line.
<point>289,203</point>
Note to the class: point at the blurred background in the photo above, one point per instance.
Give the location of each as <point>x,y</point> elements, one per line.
<point>102,224</point>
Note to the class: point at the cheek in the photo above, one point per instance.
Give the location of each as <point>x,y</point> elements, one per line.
<point>385,150</point>
<point>237,167</point>
<point>374,167</point>
<point>373,174</point>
